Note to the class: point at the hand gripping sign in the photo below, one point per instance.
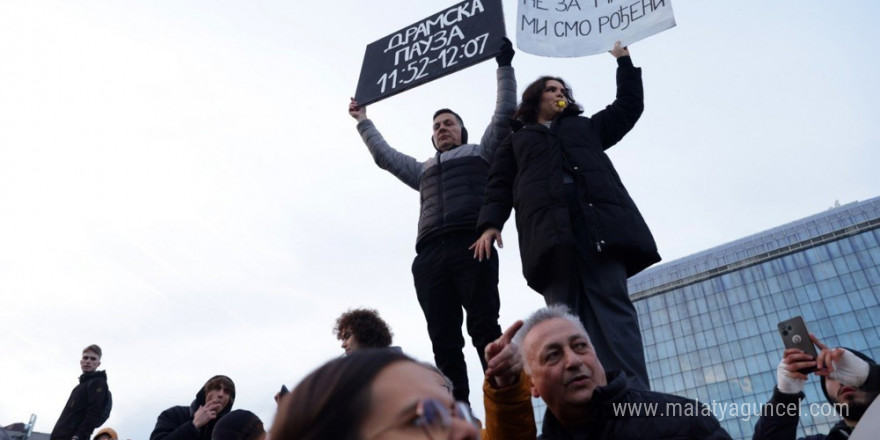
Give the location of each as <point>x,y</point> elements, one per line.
<point>457,37</point>
<point>574,28</point>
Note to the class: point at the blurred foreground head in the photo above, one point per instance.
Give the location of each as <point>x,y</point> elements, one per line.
<point>371,395</point>
<point>239,425</point>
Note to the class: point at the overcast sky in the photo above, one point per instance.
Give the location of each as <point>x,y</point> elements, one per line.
<point>181,183</point>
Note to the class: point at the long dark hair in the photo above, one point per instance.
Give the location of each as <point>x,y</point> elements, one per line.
<point>332,401</point>
<point>527,112</point>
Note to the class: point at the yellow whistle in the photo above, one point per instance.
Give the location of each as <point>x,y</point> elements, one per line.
<point>561,104</point>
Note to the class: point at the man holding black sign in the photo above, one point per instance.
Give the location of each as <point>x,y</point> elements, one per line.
<point>451,185</point>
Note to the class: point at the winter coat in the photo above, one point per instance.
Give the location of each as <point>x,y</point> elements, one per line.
<point>452,183</point>
<point>175,423</point>
<point>527,175</point>
<point>82,413</point>
<point>619,413</point>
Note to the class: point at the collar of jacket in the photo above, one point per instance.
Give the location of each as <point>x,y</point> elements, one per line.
<point>839,431</point>
<point>93,375</point>
<point>516,125</point>
<point>600,405</point>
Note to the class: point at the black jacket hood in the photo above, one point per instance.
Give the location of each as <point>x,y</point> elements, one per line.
<point>200,399</point>
<point>93,375</point>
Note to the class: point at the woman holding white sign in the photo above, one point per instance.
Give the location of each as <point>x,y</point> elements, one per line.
<point>580,234</point>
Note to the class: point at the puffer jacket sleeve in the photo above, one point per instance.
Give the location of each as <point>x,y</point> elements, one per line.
<point>509,413</point>
<point>175,424</point>
<point>499,190</point>
<point>505,105</point>
<point>96,397</point>
<point>404,167</point>
<point>617,119</point>
<point>779,417</point>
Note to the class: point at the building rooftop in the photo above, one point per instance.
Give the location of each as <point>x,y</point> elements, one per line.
<point>839,221</point>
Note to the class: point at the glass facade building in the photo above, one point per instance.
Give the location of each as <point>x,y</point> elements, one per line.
<point>709,321</point>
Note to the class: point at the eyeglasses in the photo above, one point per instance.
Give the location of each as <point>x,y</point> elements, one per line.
<point>434,417</point>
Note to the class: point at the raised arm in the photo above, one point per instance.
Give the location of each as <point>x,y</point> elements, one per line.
<point>505,103</point>
<point>778,421</point>
<point>617,119</point>
<point>402,166</point>
<point>506,391</point>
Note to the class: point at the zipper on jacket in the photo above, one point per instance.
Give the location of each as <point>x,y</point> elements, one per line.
<point>593,228</point>
<point>440,192</point>
<point>575,174</point>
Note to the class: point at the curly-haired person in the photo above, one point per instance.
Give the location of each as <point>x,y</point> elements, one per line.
<point>362,328</point>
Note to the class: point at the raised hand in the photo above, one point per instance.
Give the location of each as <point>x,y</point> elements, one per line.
<point>503,359</point>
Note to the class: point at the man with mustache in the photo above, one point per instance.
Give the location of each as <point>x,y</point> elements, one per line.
<point>583,401</point>
<point>850,381</point>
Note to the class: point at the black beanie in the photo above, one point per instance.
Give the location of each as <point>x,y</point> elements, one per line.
<point>238,425</point>
<point>861,356</point>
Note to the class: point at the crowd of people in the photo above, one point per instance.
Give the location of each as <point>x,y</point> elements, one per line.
<point>376,391</point>
<point>581,236</point>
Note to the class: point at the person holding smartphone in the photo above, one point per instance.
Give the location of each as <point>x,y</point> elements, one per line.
<point>850,382</point>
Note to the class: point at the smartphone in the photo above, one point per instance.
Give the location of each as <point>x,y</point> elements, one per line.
<point>795,335</point>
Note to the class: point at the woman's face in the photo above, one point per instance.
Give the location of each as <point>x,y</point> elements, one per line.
<point>396,394</point>
<point>553,94</point>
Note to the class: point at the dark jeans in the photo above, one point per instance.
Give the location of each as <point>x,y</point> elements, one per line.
<point>447,279</point>
<point>593,286</point>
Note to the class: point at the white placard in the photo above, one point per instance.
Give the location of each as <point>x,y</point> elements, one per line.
<point>574,28</point>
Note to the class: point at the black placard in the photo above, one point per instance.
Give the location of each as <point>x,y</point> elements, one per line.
<point>450,40</point>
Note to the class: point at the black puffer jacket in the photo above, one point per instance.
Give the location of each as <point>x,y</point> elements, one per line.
<point>451,192</point>
<point>175,423</point>
<point>620,413</point>
<point>82,413</point>
<point>527,175</point>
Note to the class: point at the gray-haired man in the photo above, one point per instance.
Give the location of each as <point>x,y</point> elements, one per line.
<point>585,401</point>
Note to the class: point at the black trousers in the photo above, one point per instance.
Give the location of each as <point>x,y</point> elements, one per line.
<point>447,279</point>
<point>593,285</point>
